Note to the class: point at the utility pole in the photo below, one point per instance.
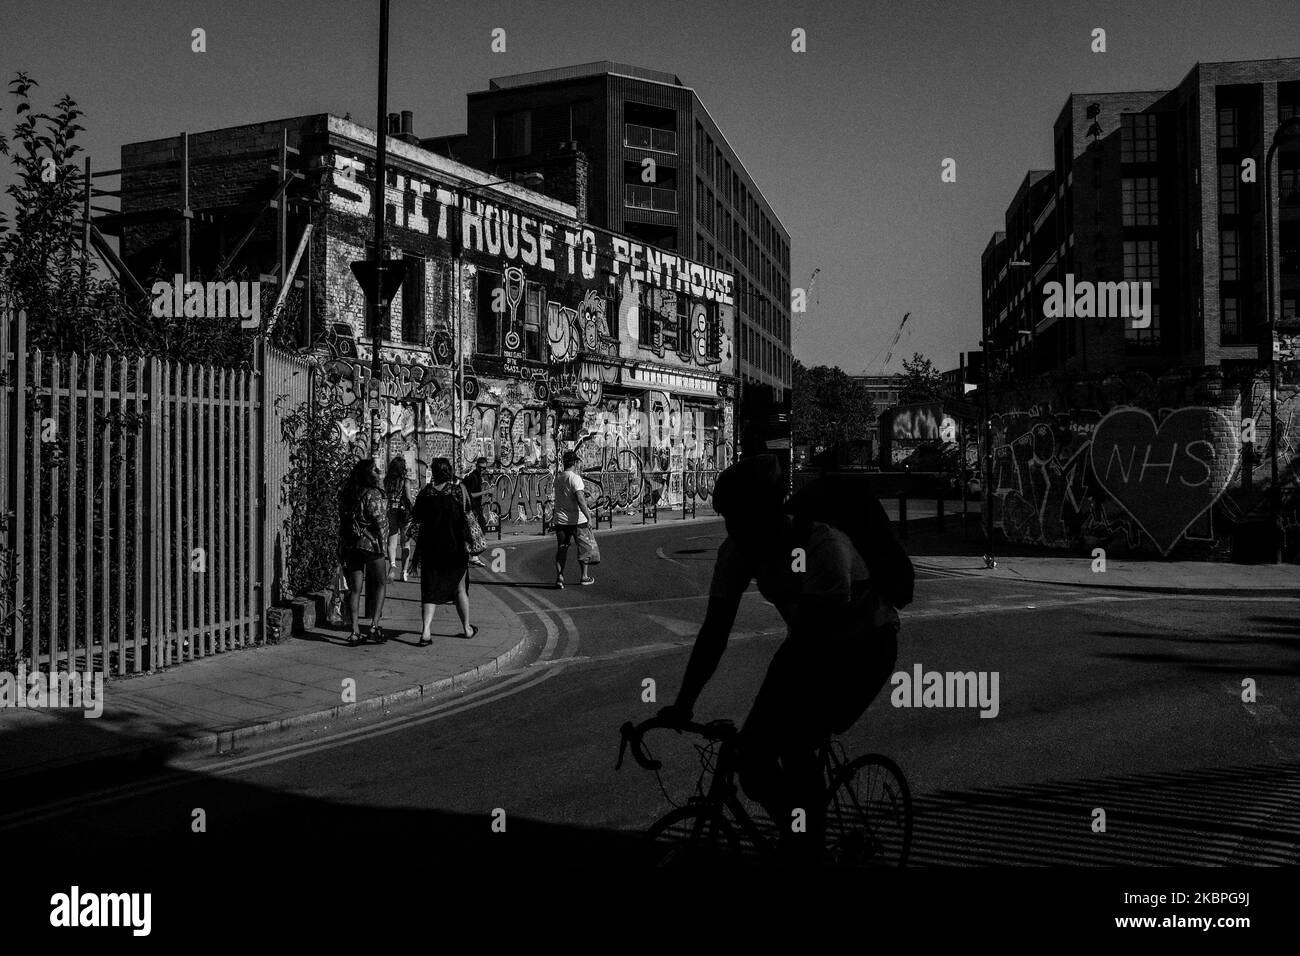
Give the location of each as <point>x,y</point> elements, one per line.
<point>378,307</point>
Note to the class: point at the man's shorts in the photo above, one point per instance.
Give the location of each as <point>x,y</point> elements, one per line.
<point>566,534</point>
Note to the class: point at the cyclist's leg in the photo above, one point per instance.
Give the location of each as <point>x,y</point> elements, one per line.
<point>778,748</point>
<point>867,662</point>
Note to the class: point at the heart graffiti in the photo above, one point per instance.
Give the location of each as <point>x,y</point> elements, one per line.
<point>1165,476</point>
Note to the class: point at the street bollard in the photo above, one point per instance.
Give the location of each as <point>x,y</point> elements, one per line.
<point>902,516</point>
<point>939,523</point>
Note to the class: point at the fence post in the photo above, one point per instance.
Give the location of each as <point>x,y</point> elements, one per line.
<point>259,449</point>
<point>902,516</point>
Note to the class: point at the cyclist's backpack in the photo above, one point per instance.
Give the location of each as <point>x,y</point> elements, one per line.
<point>850,506</point>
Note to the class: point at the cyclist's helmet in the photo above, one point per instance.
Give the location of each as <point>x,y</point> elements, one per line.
<point>750,486</point>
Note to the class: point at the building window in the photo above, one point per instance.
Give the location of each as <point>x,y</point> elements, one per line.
<point>1142,264</point>
<point>1229,321</point>
<point>512,134</point>
<point>1137,138</point>
<point>1229,255</point>
<point>1288,185</point>
<point>683,322</point>
<point>1139,201</point>
<point>645,334</point>
<point>1227,189</point>
<point>1227,127</point>
<point>488,319</point>
<point>533,322</point>
<point>413,301</point>
<point>1290,308</point>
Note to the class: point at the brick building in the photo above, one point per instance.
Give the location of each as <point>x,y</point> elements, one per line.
<point>1151,432</point>
<point>702,200</point>
<point>571,336</point>
<point>1148,186</point>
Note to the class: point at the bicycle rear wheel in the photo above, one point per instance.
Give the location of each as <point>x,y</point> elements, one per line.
<point>869,815</point>
<point>692,837</point>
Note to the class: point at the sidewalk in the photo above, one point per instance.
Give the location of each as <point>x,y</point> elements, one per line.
<point>212,703</point>
<point>950,553</point>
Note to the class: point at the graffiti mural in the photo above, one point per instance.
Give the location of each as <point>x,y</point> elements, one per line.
<point>1165,476</point>
<point>1139,478</point>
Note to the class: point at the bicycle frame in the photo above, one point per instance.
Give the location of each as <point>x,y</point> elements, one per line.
<point>723,791</point>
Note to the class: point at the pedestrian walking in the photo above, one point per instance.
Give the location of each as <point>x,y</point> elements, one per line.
<point>441,516</point>
<point>571,513</point>
<point>399,514</point>
<point>363,533</point>
<point>473,483</point>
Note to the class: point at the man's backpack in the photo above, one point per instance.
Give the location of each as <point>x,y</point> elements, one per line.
<point>850,506</point>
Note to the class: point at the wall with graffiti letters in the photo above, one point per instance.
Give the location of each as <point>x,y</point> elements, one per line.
<point>1172,466</point>
<point>645,411</point>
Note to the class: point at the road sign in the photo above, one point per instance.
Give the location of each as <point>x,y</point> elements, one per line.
<point>394,271</point>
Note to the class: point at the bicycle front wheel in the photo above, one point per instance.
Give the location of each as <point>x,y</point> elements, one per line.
<point>869,815</point>
<point>692,837</point>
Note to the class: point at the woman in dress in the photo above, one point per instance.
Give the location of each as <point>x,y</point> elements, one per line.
<point>440,514</point>
<point>399,513</point>
<point>363,531</point>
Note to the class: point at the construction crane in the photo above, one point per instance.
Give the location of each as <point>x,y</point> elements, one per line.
<point>893,343</point>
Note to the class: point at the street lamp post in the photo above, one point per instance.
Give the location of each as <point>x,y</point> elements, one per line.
<point>1289,127</point>
<point>990,560</point>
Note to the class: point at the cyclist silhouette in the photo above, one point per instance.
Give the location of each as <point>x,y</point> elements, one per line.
<point>842,639</point>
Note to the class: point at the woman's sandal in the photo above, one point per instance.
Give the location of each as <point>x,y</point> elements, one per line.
<point>423,642</point>
<point>473,631</point>
<point>355,639</point>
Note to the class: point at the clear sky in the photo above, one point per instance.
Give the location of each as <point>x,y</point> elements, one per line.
<point>845,140</point>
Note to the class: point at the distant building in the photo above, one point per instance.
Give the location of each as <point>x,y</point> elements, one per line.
<point>1148,187</point>
<point>884,389</point>
<point>700,201</point>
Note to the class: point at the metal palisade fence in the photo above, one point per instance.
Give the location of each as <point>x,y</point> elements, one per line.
<point>139,529</point>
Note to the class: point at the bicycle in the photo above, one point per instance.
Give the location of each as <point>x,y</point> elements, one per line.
<point>868,814</point>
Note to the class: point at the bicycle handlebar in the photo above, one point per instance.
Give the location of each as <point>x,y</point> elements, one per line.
<point>633,734</point>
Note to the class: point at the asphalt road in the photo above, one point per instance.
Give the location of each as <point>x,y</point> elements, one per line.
<point>1128,703</point>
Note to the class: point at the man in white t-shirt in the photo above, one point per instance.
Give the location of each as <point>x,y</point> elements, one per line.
<point>570,513</point>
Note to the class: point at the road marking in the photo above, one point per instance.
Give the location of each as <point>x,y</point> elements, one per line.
<point>184,768</point>
<point>659,553</point>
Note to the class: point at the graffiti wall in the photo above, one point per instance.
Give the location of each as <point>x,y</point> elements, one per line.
<point>592,342</point>
<point>1138,475</point>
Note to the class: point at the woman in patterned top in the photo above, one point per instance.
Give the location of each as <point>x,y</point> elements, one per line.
<point>363,536</point>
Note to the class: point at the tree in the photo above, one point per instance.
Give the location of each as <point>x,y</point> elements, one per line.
<point>43,269</point>
<point>829,408</point>
<point>922,382</point>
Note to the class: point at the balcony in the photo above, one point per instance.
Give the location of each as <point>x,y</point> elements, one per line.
<point>655,198</point>
<point>644,137</point>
